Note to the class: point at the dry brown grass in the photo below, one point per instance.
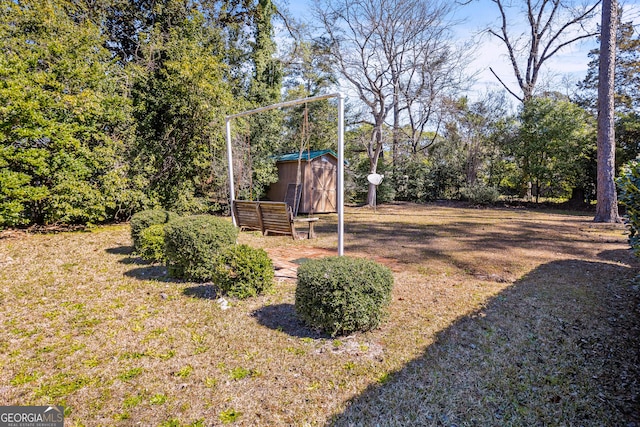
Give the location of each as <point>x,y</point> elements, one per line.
<point>499,317</point>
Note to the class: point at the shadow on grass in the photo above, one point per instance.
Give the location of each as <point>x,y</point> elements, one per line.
<point>282,317</point>
<point>134,260</point>
<point>128,252</point>
<point>618,255</point>
<point>559,347</point>
<point>155,272</point>
<point>206,291</point>
<point>120,250</point>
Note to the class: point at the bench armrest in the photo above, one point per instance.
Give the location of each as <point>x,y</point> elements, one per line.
<point>306,219</point>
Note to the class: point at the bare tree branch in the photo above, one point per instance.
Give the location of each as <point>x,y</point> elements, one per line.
<point>398,57</point>
<point>505,86</point>
<point>553,25</point>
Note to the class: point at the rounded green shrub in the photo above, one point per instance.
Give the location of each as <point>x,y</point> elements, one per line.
<point>244,271</point>
<point>144,219</point>
<point>192,245</point>
<point>151,243</point>
<point>341,295</point>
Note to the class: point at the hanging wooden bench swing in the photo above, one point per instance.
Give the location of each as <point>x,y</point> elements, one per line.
<point>270,217</point>
<point>277,217</point>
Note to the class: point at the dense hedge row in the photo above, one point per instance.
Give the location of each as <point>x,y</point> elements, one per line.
<point>202,248</point>
<point>339,295</point>
<point>629,197</point>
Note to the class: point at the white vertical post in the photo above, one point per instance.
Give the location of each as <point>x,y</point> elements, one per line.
<point>232,195</point>
<point>341,174</point>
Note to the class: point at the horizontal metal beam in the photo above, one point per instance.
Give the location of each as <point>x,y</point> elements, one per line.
<point>284,104</point>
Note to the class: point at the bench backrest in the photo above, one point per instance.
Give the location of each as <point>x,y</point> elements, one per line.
<point>276,218</point>
<point>247,215</point>
<point>267,217</point>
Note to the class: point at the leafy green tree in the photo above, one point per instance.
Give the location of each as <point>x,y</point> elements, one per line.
<point>472,128</point>
<point>123,22</point>
<point>64,121</point>
<point>181,98</point>
<point>264,134</point>
<point>629,195</point>
<point>553,137</point>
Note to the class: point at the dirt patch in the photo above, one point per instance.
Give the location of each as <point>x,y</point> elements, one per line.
<point>286,260</point>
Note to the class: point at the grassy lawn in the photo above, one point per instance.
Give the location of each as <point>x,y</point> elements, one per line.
<point>499,317</point>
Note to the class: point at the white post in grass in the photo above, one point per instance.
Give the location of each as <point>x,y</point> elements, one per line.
<point>232,194</point>
<point>340,174</point>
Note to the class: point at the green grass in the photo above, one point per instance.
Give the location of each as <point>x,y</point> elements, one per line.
<point>498,317</point>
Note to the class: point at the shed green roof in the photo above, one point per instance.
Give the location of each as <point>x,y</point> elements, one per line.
<point>306,155</point>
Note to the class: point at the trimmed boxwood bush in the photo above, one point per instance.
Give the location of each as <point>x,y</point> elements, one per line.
<point>192,245</point>
<point>151,243</point>
<point>144,219</point>
<point>341,295</point>
<point>244,271</point>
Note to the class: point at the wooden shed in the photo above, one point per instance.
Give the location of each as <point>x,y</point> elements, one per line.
<point>318,184</point>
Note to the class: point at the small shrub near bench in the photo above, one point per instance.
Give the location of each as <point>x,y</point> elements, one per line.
<point>192,245</point>
<point>341,295</point>
<point>144,219</point>
<point>243,271</point>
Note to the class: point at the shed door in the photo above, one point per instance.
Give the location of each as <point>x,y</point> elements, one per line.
<point>324,187</point>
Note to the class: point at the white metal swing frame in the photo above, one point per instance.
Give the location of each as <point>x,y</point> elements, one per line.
<point>340,183</point>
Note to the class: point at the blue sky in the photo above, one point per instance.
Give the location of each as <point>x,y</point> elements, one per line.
<point>570,64</point>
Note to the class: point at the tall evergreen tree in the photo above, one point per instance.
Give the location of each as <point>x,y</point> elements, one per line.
<point>180,99</point>
<point>265,129</point>
<point>607,206</point>
<point>267,75</point>
<point>626,94</point>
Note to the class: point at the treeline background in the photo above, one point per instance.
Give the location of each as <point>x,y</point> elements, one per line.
<point>110,107</point>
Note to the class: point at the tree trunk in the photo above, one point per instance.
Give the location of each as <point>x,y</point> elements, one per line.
<point>577,197</point>
<point>371,196</point>
<point>375,152</point>
<point>607,207</point>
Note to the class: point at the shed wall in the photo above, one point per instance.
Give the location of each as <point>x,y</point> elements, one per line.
<point>326,166</point>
